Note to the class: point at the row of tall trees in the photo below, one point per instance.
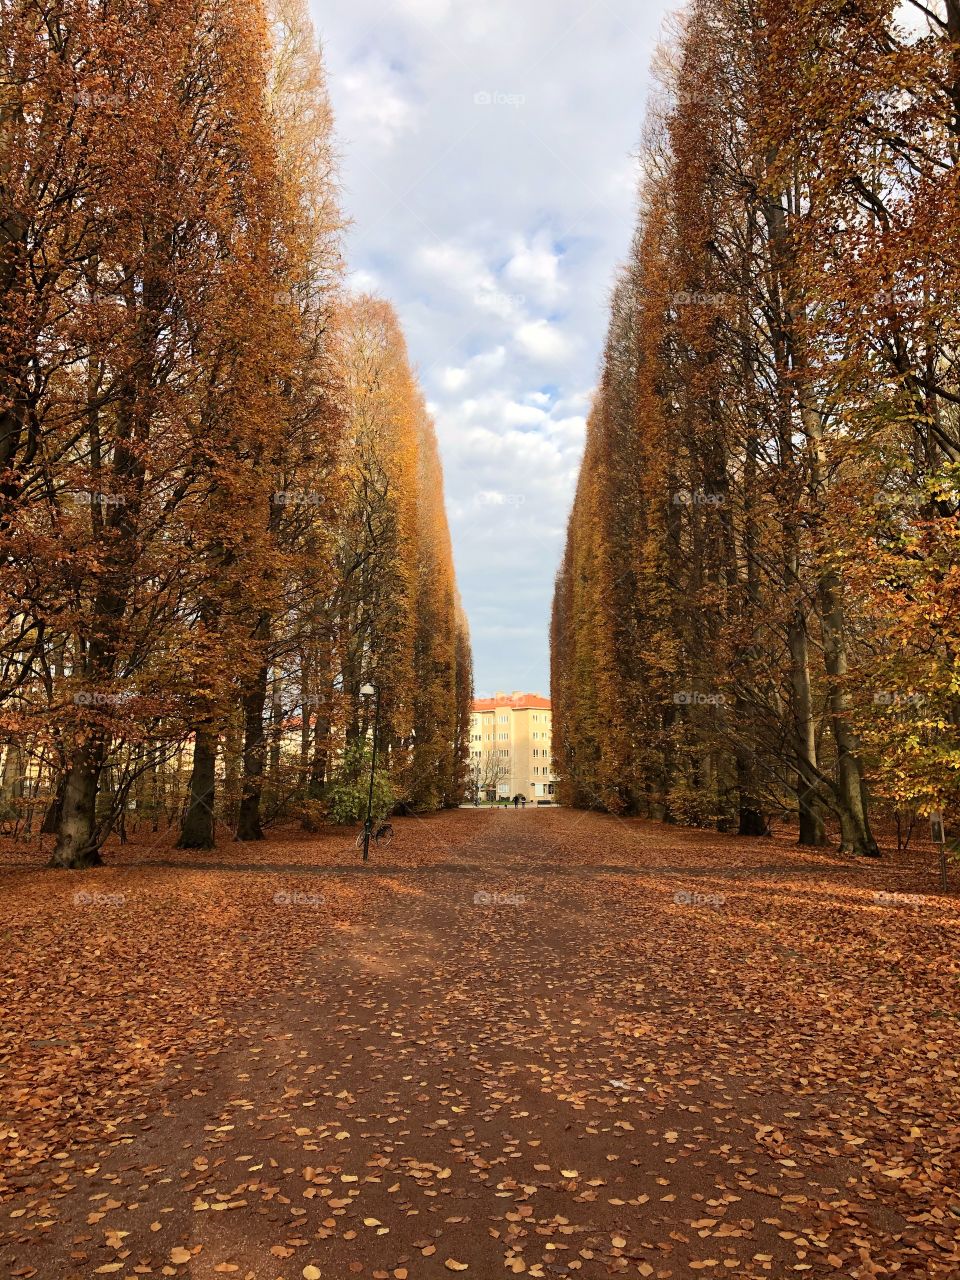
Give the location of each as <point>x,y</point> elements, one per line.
<point>759,605</point>
<point>221,511</point>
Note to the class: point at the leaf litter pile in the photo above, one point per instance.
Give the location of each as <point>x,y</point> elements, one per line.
<point>535,1043</point>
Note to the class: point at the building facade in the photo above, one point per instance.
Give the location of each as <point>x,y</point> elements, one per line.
<point>511,749</point>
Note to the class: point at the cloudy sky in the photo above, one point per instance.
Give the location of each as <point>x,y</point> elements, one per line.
<point>489,175</point>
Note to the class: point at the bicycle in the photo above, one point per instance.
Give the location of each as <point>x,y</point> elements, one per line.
<point>382,836</point>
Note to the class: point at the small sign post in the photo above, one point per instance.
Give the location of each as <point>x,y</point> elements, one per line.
<point>938,836</point>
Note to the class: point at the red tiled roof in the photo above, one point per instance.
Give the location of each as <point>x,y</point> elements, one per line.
<point>519,702</point>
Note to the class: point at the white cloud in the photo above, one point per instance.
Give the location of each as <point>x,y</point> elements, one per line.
<point>429,11</point>
<point>543,341</point>
<point>376,110</point>
<point>523,415</point>
<point>364,282</point>
<point>454,378</point>
<point>497,230</point>
<point>535,267</point>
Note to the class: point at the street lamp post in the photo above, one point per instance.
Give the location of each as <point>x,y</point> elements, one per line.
<point>368,691</point>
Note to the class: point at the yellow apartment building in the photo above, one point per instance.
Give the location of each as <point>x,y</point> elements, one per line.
<point>511,748</point>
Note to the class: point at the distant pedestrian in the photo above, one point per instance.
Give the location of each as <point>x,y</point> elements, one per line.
<point>516,802</point>
<point>523,801</point>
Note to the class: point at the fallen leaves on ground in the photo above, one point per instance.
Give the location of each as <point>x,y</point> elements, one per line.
<point>674,1053</point>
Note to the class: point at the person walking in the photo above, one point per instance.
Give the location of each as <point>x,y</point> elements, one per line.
<point>516,802</point>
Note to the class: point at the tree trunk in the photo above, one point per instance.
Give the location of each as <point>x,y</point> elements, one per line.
<point>855,833</point>
<point>751,820</point>
<point>78,843</point>
<point>812,831</point>
<point>11,778</point>
<point>275,754</point>
<point>51,820</point>
<point>318,765</point>
<point>198,829</point>
<point>13,365</point>
<point>849,801</point>
<point>249,822</point>
<point>232,764</point>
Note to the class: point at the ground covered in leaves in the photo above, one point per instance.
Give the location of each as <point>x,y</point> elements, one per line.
<point>538,1043</point>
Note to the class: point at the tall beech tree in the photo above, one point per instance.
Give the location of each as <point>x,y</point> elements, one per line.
<point>183,551</point>
<point>139,147</point>
<point>300,463</point>
<point>767,495</point>
<point>399,621</point>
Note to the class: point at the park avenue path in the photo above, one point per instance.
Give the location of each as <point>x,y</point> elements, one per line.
<point>540,1043</point>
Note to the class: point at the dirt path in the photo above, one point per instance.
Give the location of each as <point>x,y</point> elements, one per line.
<point>557,1045</point>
